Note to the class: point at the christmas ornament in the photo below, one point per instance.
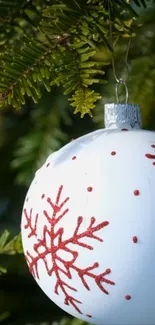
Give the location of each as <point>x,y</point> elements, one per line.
<point>88,223</point>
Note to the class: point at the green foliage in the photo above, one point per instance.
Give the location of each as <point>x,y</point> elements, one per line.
<point>62,49</point>
<point>16,81</point>
<point>9,246</point>
<point>44,137</point>
<point>16,17</point>
<point>4,315</point>
<point>84,100</point>
<point>12,246</point>
<point>66,321</point>
<point>3,270</point>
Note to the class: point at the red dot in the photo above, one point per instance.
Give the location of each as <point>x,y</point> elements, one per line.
<point>153,163</point>
<point>135,239</point>
<point>89,189</point>
<point>153,145</point>
<point>127,297</point>
<point>43,195</point>
<point>47,164</point>
<point>124,129</point>
<point>108,271</point>
<point>136,192</point>
<point>113,153</point>
<point>74,157</point>
<point>150,156</point>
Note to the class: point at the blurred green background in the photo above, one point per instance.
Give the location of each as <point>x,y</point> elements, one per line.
<point>28,136</point>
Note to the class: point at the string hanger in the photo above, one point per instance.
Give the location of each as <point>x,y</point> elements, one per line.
<point>122,80</point>
<point>119,80</point>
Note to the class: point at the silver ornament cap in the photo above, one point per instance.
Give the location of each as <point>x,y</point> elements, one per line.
<point>122,116</point>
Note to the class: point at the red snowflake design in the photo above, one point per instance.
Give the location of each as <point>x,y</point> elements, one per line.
<point>29,225</point>
<point>58,212</point>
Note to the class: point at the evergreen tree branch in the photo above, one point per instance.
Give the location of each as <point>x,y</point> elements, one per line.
<point>18,16</point>
<point>10,247</point>
<point>64,54</point>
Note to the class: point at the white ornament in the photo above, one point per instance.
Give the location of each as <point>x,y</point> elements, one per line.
<point>88,223</point>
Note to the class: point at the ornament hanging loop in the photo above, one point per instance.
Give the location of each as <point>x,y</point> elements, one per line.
<point>126,64</point>
<point>121,81</point>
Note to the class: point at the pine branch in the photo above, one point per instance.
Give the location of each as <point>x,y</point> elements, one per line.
<point>65,54</point>
<point>10,8</point>
<point>11,247</point>
<point>63,67</point>
<point>18,17</point>
<point>21,71</point>
<point>84,100</point>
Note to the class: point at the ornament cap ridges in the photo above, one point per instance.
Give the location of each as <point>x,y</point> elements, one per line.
<point>122,116</point>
